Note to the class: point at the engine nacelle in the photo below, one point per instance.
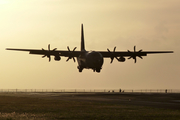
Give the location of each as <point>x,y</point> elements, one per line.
<point>57,58</point>
<point>122,59</point>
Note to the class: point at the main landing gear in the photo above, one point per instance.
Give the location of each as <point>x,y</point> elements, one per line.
<point>80,69</point>
<point>96,70</point>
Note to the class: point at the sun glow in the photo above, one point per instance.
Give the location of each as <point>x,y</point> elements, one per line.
<point>33,24</point>
<point>4,1</point>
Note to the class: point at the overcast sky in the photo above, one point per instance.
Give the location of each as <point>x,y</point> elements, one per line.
<point>32,24</point>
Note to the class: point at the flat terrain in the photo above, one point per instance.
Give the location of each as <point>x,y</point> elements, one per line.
<point>103,106</point>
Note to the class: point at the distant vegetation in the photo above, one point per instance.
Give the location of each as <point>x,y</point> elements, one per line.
<point>94,90</point>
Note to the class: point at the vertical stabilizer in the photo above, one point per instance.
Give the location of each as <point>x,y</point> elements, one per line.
<point>82,39</point>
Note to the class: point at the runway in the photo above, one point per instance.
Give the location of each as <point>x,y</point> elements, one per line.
<point>55,106</point>
<point>159,100</point>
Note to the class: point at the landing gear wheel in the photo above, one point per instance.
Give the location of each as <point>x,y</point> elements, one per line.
<point>80,69</point>
<point>98,70</point>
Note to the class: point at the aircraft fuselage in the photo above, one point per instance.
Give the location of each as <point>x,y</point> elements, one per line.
<point>90,60</point>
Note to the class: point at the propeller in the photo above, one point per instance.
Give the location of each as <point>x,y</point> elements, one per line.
<point>48,52</point>
<point>71,54</point>
<point>112,54</point>
<point>135,54</point>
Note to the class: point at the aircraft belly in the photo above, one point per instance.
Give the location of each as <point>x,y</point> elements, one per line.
<point>92,64</point>
<point>94,60</point>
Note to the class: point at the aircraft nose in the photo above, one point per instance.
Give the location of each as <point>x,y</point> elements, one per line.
<point>98,60</point>
<point>95,59</point>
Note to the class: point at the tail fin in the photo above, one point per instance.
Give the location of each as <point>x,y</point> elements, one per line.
<point>82,39</point>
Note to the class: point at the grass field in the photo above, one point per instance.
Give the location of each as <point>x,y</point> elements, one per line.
<point>55,106</point>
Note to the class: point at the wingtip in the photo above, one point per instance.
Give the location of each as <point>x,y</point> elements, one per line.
<point>170,51</point>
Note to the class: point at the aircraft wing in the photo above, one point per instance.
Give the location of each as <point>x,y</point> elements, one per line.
<point>48,53</point>
<point>130,54</point>
<point>64,53</point>
<point>119,55</point>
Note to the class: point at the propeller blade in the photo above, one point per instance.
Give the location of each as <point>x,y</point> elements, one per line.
<point>135,60</point>
<point>71,54</point>
<point>54,49</point>
<point>112,54</point>
<point>135,54</point>
<point>74,49</point>
<point>130,57</point>
<point>117,59</point>
<point>49,47</point>
<point>108,50</point>
<point>68,48</point>
<point>49,58</point>
<point>112,59</point>
<point>140,50</point>
<point>140,57</point>
<point>43,56</point>
<point>68,59</point>
<point>48,53</point>
<point>134,48</point>
<point>74,59</point>
<point>114,49</point>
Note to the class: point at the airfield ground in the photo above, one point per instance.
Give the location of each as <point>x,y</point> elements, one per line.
<point>103,106</point>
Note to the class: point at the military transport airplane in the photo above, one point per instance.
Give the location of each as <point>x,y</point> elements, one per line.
<point>89,59</point>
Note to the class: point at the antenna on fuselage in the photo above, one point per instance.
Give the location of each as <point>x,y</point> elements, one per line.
<point>82,38</point>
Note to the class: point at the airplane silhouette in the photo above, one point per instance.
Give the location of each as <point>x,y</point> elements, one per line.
<point>89,59</point>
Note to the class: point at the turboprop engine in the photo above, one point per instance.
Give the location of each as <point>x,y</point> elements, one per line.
<point>57,58</point>
<point>121,59</point>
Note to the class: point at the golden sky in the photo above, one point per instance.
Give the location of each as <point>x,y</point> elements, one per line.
<point>150,25</point>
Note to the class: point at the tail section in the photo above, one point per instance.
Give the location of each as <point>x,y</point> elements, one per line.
<point>82,39</point>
